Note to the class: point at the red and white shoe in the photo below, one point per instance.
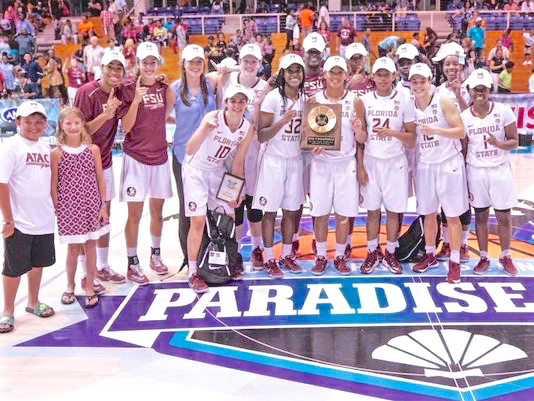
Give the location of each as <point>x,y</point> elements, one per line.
<point>135,273</point>
<point>108,274</point>
<point>444,253</point>
<point>508,265</point>
<point>99,288</point>
<point>272,269</point>
<point>197,284</point>
<point>348,251</point>
<point>320,266</point>
<point>429,261</point>
<point>295,248</point>
<point>454,274</point>
<point>289,263</point>
<point>464,254</point>
<point>371,262</point>
<point>340,264</point>
<point>157,265</point>
<point>482,266</point>
<point>391,262</point>
<point>256,258</point>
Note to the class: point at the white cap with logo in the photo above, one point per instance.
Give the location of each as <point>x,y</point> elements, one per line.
<point>289,59</point>
<point>147,49</point>
<point>234,89</point>
<point>228,62</point>
<point>191,52</point>
<point>30,107</point>
<point>335,61</point>
<point>407,50</point>
<point>250,49</point>
<point>479,77</point>
<point>355,48</point>
<point>420,69</point>
<point>450,49</point>
<point>113,55</point>
<point>384,63</point>
<point>315,41</point>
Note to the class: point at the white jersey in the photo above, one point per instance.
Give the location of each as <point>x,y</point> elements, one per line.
<point>348,142</point>
<point>404,88</point>
<point>218,145</point>
<point>444,90</point>
<point>436,148</point>
<point>479,152</point>
<point>286,142</point>
<point>253,92</point>
<point>389,112</point>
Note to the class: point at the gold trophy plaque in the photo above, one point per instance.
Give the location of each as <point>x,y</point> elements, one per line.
<point>321,126</point>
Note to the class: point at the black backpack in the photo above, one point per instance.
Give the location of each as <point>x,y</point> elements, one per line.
<point>218,254</point>
<point>412,243</point>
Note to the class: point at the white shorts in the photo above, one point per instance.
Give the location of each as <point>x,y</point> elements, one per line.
<point>139,181</point>
<point>307,158</point>
<point>110,184</point>
<point>388,184</point>
<point>251,166</point>
<point>442,183</point>
<point>333,184</point>
<point>71,92</point>
<point>279,184</point>
<point>411,156</point>
<point>200,190</point>
<point>491,186</point>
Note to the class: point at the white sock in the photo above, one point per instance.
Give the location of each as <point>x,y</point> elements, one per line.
<point>390,246</point>
<point>349,240</point>
<point>102,258</point>
<point>256,242</point>
<point>483,254</point>
<point>430,249</point>
<point>286,250</point>
<point>321,248</point>
<point>268,253</point>
<point>340,249</point>
<point>295,237</point>
<point>372,245</point>
<point>156,241</point>
<point>505,252</point>
<point>82,262</point>
<point>192,267</point>
<point>465,234</point>
<point>455,256</point>
<point>131,252</point>
<point>445,234</point>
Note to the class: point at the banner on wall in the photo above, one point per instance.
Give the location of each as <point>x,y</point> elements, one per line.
<point>8,109</point>
<point>523,106</point>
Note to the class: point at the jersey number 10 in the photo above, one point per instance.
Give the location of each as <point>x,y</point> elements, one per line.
<point>222,152</point>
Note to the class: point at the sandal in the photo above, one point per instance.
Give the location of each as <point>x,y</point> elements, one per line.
<point>7,323</point>
<point>89,299</point>
<point>68,298</point>
<point>41,310</point>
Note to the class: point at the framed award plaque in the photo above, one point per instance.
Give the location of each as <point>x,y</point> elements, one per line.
<point>321,126</point>
<point>230,188</point>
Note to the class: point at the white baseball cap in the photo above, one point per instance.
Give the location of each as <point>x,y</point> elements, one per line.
<point>479,77</point>
<point>355,48</point>
<point>420,69</point>
<point>384,63</point>
<point>315,41</point>
<point>234,89</point>
<point>251,49</point>
<point>147,49</point>
<point>191,52</point>
<point>335,61</point>
<point>30,107</point>
<point>407,50</point>
<point>113,55</point>
<point>228,62</point>
<point>450,49</point>
<point>291,58</point>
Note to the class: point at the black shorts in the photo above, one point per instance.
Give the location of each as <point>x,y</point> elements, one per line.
<point>22,252</point>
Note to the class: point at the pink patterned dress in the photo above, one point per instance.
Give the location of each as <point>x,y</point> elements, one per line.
<point>78,197</point>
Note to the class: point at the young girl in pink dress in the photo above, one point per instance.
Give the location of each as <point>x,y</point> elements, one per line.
<point>78,188</point>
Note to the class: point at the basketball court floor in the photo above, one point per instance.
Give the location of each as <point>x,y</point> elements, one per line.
<point>378,337</point>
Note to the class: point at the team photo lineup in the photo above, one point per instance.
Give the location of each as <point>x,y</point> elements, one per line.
<point>238,160</point>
